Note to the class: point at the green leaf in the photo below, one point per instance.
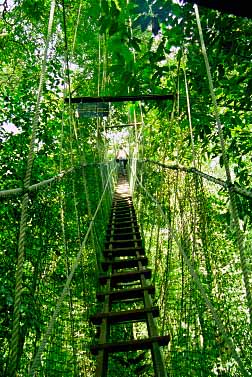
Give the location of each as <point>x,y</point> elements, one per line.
<point>113,28</point>
<point>142,21</point>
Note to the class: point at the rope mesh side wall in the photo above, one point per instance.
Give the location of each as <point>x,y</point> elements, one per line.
<point>46,270</point>
<point>200,289</point>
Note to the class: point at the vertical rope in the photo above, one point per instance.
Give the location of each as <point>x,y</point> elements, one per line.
<point>189,118</point>
<point>76,29</point>
<point>73,134</point>
<point>14,347</point>
<point>99,66</point>
<point>232,195</point>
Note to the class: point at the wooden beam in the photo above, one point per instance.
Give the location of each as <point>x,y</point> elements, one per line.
<point>140,97</point>
<point>138,315</point>
<point>123,125</point>
<point>239,8</point>
<point>131,345</point>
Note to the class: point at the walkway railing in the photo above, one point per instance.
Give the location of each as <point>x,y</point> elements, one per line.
<point>66,225</point>
<point>197,270</point>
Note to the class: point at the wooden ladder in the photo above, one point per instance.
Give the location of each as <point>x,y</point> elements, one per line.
<point>124,282</point>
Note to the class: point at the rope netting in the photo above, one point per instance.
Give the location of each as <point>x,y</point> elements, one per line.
<point>197,272</point>
<point>59,272</point>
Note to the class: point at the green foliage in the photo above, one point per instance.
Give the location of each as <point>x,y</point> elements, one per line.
<point>122,47</point>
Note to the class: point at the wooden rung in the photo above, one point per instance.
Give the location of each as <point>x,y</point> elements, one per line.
<point>122,204</point>
<point>138,315</point>
<point>131,345</point>
<point>117,234</point>
<point>124,294</point>
<point>125,243</point>
<point>124,263</point>
<point>118,242</point>
<point>124,229</point>
<point>117,211</point>
<point>123,222</point>
<point>125,219</point>
<point>123,251</point>
<point>122,213</point>
<point>122,277</point>
<point>127,208</point>
<point>121,199</point>
<point>121,236</point>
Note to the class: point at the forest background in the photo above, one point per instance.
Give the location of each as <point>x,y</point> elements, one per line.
<point>121,47</point>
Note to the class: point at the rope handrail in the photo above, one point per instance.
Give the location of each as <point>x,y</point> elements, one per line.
<point>242,191</point>
<point>36,186</point>
<point>197,281</point>
<point>75,264</point>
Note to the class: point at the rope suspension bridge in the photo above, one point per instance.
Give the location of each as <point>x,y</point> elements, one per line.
<point>97,254</point>
<point>111,275</point>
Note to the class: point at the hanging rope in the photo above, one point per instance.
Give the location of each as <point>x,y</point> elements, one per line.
<point>63,200</point>
<point>24,213</point>
<point>76,29</point>
<point>232,196</point>
<point>190,119</point>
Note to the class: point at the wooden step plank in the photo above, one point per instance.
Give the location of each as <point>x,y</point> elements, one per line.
<point>124,316</point>
<point>131,345</point>
<point>123,213</point>
<point>122,208</point>
<point>121,198</point>
<point>123,251</point>
<point>125,243</point>
<point>124,263</point>
<point>124,294</point>
<point>117,204</point>
<point>120,236</point>
<point>125,240</point>
<point>119,231</point>
<point>122,229</point>
<point>124,224</point>
<point>122,220</point>
<point>122,277</point>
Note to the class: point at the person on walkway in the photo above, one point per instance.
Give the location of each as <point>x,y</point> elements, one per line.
<point>122,158</point>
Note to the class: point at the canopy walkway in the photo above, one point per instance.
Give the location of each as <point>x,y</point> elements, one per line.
<point>146,275</point>
<point>99,297</point>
